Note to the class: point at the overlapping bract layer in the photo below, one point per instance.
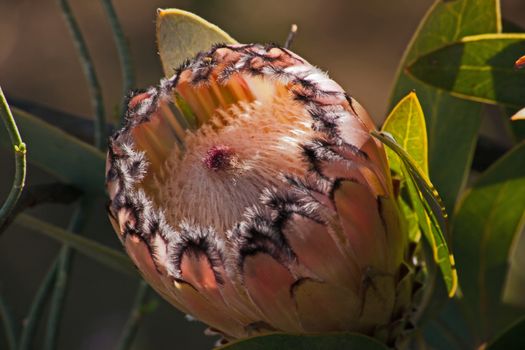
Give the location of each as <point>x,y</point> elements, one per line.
<point>248,191</point>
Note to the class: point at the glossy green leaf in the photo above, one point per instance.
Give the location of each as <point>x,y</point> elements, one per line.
<point>512,338</point>
<point>489,218</point>
<point>98,252</point>
<point>412,222</point>
<point>478,68</point>
<point>307,342</point>
<point>406,123</point>
<point>70,160</point>
<point>452,123</point>
<point>430,210</point>
<point>181,35</point>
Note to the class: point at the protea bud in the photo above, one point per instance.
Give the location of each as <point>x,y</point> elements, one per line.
<point>249,193</point>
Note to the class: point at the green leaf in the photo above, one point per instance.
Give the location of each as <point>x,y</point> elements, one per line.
<point>406,123</point>
<point>70,160</point>
<point>98,252</point>
<point>307,342</point>
<point>181,35</point>
<point>444,23</point>
<point>430,210</point>
<point>478,68</point>
<point>490,217</point>
<point>414,233</point>
<point>512,338</point>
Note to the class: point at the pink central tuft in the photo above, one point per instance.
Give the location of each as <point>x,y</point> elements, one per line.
<point>218,157</point>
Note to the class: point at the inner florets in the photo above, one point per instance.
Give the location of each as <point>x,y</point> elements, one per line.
<point>219,157</point>
<point>228,162</point>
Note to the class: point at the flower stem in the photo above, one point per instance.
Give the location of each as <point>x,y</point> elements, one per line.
<point>137,312</point>
<point>65,257</point>
<point>20,159</point>
<point>126,63</point>
<point>9,324</point>
<point>90,74</point>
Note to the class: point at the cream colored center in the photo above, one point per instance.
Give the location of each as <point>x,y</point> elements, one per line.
<point>262,141</point>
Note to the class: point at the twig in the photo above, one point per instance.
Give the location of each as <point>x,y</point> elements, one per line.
<point>137,312</point>
<point>20,159</point>
<point>90,74</point>
<point>291,36</point>
<point>126,63</point>
<point>56,309</point>
<point>9,324</point>
<point>35,311</point>
<point>39,194</point>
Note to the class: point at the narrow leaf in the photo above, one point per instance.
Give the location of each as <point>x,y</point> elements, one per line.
<point>62,155</point>
<point>104,255</point>
<point>181,35</point>
<point>39,194</point>
<point>310,342</point>
<point>478,68</point>
<point>444,23</point>
<point>485,228</point>
<point>431,212</point>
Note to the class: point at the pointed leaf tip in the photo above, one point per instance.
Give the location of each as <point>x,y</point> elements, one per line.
<point>182,34</point>
<point>406,123</point>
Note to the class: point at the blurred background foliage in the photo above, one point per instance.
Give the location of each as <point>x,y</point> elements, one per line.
<point>359,43</point>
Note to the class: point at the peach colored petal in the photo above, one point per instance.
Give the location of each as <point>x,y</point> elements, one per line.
<point>268,284</point>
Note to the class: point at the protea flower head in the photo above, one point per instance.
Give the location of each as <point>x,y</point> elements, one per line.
<point>249,193</point>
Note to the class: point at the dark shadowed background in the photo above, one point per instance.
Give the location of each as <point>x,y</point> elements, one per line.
<point>358,42</point>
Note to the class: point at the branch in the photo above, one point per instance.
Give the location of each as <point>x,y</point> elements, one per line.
<point>65,257</point>
<point>90,74</point>
<point>138,311</point>
<point>20,160</point>
<point>9,324</point>
<point>124,54</point>
<point>37,307</point>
